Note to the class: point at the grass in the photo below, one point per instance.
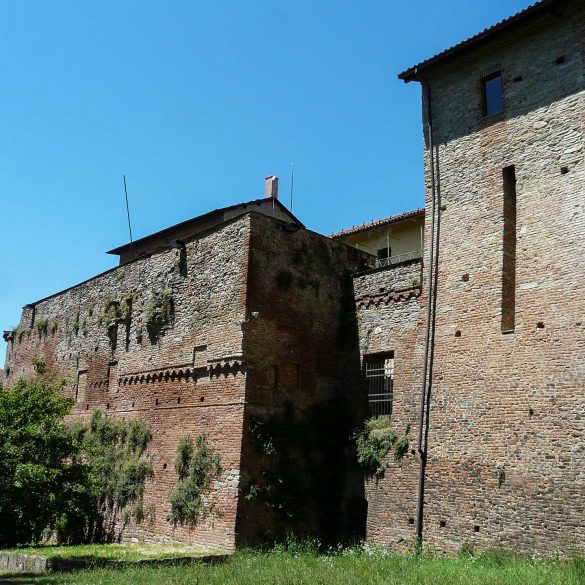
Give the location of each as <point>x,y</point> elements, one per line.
<point>351,567</point>
<point>119,552</point>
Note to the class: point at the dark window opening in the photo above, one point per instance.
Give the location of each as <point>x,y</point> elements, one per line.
<point>379,372</point>
<point>492,94</point>
<point>273,377</point>
<point>384,253</point>
<point>509,251</point>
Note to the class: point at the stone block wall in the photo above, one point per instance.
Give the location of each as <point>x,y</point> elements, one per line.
<point>507,435</point>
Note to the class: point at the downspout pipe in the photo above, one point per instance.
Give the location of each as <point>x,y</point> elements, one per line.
<point>423,423</point>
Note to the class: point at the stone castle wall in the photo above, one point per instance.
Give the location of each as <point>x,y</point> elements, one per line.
<point>263,319</point>
<point>507,436</point>
<point>189,381</point>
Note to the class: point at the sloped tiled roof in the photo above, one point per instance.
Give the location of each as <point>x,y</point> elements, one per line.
<point>488,33</point>
<point>196,220</point>
<point>378,223</point>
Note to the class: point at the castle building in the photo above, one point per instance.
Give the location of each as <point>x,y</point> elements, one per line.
<point>502,304</point>
<point>204,328</point>
<point>464,322</point>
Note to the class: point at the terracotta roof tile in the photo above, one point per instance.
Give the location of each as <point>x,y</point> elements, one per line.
<point>378,223</point>
<point>519,17</point>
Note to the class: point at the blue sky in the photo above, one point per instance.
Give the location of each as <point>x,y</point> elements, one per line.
<point>196,102</point>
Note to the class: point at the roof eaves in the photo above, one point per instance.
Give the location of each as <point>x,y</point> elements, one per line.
<point>379,223</point>
<point>410,74</point>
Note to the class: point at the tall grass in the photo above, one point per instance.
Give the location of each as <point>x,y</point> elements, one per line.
<point>304,565</point>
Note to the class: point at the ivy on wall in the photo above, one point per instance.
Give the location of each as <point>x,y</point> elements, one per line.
<point>197,465</point>
<point>375,441</point>
<point>114,469</point>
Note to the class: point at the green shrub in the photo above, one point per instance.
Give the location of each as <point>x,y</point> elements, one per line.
<point>37,473</point>
<point>401,447</point>
<point>374,442</point>
<point>196,465</point>
<point>41,325</point>
<point>40,365</point>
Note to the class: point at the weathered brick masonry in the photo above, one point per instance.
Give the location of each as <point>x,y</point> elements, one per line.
<point>250,297</point>
<point>271,320</point>
<point>507,438</point>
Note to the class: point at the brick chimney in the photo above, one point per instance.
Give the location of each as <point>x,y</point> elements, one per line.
<point>271,187</point>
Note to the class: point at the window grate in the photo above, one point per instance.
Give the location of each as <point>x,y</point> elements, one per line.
<point>379,373</point>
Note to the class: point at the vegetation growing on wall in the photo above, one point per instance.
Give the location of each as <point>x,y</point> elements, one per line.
<point>116,468</point>
<point>41,325</point>
<point>160,315</point>
<point>304,470</point>
<point>113,313</point>
<point>19,333</point>
<point>39,364</point>
<point>197,465</point>
<point>375,441</point>
<point>82,481</point>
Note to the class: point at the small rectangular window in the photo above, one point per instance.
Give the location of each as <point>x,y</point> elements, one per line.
<point>492,94</point>
<point>379,371</point>
<point>81,385</point>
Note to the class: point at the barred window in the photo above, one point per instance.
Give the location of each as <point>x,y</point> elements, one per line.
<point>379,374</point>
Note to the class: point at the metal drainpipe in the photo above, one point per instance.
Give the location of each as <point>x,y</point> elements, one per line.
<point>423,424</point>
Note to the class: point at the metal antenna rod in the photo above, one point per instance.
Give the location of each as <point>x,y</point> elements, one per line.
<point>292,183</point>
<point>128,213</point>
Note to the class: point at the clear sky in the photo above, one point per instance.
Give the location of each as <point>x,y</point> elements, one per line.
<point>196,102</point>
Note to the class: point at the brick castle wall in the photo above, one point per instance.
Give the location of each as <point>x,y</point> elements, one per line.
<point>190,381</point>
<point>507,447</point>
<point>302,353</point>
<point>217,365</point>
<point>389,317</point>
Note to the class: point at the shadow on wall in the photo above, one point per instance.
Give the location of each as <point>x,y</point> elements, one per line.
<point>305,481</point>
<point>300,471</point>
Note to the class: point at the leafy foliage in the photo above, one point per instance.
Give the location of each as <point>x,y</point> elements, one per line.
<point>83,481</point>
<point>39,364</point>
<point>113,313</point>
<point>375,441</point>
<point>196,465</point>
<point>115,472</point>
<point>41,325</point>
<point>36,474</point>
